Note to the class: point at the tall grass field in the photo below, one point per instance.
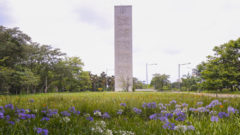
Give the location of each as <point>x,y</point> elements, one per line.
<point>113,113</point>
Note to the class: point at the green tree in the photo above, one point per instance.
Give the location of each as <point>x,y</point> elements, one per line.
<point>110,83</point>
<point>137,84</point>
<point>27,66</point>
<point>190,83</point>
<point>222,70</point>
<point>160,82</point>
<point>28,80</point>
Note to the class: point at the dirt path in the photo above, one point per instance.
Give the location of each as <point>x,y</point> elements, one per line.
<point>195,93</point>
<point>214,95</point>
<point>145,90</point>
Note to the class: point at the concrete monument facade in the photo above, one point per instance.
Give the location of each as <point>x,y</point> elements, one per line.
<point>123,48</point>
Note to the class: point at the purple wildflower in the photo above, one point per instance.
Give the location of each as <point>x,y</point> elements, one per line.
<point>9,106</point>
<point>213,112</point>
<point>1,115</point>
<point>44,111</point>
<point>163,118</point>
<point>161,106</point>
<point>31,100</point>
<point>224,101</point>
<point>202,109</point>
<point>120,112</point>
<point>191,127</point>
<point>106,115</point>
<point>184,105</point>
<point>20,111</point>
<point>137,111</point>
<point>178,106</point>
<point>223,114</point>
<point>192,109</point>
<point>11,122</point>
<point>180,116</point>
<point>163,111</point>
<point>72,109</point>
<point>96,111</point>
<point>151,105</point>
<point>65,113</point>
<point>39,130</point>
<point>153,117</point>
<point>232,110</point>
<point>214,119</point>
<point>51,112</point>
<point>199,103</point>
<point>169,125</point>
<point>177,110</point>
<point>168,115</point>
<point>89,118</point>
<point>7,117</point>
<point>77,112</point>
<point>144,105</point>
<point>173,102</point>
<point>31,116</point>
<point>45,119</point>
<point>2,109</point>
<point>167,104</point>
<point>42,131</point>
<point>213,103</point>
<point>159,116</point>
<point>123,104</point>
<point>22,116</point>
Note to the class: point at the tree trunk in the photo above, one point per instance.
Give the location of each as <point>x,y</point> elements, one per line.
<point>27,89</point>
<point>46,85</point>
<point>34,89</point>
<point>220,89</point>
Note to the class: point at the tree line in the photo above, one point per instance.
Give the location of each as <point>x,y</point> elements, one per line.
<point>29,67</point>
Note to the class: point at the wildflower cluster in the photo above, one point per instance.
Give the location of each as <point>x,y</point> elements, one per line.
<point>172,116</point>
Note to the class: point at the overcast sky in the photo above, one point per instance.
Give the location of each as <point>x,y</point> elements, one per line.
<point>166,32</point>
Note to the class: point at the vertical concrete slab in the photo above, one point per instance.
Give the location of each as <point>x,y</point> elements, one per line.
<point>123,48</point>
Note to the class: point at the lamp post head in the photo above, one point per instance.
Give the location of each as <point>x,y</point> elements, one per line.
<point>153,64</point>
<point>185,63</point>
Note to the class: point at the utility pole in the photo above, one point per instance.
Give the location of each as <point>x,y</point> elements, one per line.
<point>106,79</point>
<point>146,73</point>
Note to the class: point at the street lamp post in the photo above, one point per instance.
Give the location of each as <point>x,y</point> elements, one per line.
<point>179,75</point>
<point>147,71</point>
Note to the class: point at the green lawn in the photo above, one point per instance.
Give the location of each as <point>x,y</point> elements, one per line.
<point>174,118</point>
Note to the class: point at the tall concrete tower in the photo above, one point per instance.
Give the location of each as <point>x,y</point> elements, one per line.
<point>123,48</point>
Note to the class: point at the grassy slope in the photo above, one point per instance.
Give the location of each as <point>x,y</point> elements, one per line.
<point>109,102</point>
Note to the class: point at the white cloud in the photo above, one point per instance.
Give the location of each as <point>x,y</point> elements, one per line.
<point>5,17</point>
<point>167,32</point>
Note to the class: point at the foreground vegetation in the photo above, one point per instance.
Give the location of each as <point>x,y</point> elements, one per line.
<point>139,113</point>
